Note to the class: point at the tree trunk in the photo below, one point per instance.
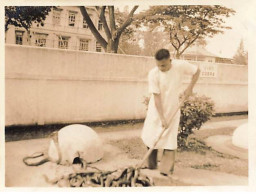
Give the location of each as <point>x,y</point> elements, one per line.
<point>112,46</point>
<point>113,34</point>
<point>29,37</point>
<point>93,29</point>
<point>178,54</point>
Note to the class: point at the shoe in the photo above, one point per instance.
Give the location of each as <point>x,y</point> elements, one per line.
<point>147,167</point>
<point>167,174</point>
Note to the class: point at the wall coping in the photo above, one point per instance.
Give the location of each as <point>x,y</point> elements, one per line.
<point>111,54</point>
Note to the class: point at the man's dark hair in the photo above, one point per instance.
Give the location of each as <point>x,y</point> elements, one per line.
<point>162,54</point>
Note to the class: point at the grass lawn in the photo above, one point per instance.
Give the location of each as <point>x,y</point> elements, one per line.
<point>200,156</point>
<point>197,155</point>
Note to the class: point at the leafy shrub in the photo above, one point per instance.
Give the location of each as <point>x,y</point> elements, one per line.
<point>195,111</point>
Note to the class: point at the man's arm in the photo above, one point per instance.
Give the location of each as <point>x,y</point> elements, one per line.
<point>159,108</point>
<point>194,79</point>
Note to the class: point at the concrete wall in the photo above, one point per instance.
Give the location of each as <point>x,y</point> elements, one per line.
<point>45,86</point>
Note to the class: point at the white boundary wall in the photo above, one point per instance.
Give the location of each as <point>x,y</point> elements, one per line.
<point>46,86</point>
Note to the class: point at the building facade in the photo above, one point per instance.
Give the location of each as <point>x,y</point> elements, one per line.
<point>199,53</point>
<point>64,28</point>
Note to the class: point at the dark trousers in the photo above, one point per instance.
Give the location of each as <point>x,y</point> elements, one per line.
<point>166,163</point>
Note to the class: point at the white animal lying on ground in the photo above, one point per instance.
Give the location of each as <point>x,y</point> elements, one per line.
<point>72,144</point>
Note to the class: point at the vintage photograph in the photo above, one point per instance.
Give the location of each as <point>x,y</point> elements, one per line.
<point>126,95</point>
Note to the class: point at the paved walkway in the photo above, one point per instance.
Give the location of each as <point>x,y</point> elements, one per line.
<point>223,124</point>
<point>223,144</point>
<point>199,177</point>
<point>18,174</point>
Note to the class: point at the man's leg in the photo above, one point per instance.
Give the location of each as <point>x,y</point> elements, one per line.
<point>152,160</point>
<point>167,162</point>
<point>159,154</point>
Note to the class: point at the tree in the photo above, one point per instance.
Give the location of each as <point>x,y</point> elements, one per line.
<point>129,42</point>
<point>200,43</point>
<point>113,30</point>
<point>154,41</point>
<point>24,16</point>
<point>241,56</point>
<point>129,47</point>
<point>186,23</point>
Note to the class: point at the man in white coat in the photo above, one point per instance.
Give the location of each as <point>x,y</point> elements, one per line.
<point>165,81</point>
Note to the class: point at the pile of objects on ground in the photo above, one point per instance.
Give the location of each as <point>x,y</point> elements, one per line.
<point>125,177</point>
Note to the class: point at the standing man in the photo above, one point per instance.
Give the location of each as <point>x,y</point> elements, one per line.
<point>165,81</point>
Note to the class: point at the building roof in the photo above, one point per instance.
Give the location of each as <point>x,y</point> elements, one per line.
<point>199,51</point>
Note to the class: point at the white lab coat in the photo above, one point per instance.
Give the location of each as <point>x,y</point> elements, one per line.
<point>168,85</point>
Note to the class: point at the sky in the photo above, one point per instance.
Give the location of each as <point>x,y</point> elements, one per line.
<point>226,44</point>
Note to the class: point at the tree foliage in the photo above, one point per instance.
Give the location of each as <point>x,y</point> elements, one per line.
<point>241,56</point>
<point>153,41</point>
<point>186,23</point>
<point>129,45</point>
<point>113,29</point>
<point>24,16</point>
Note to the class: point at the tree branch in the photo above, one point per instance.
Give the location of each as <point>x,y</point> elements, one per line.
<point>104,22</point>
<point>190,43</point>
<point>6,24</point>
<point>174,46</point>
<point>112,18</point>
<point>98,10</point>
<point>94,31</point>
<point>128,21</point>
<point>185,39</point>
<point>208,11</point>
<point>176,37</point>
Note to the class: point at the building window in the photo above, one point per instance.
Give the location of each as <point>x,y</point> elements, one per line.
<point>201,59</point>
<point>56,16</point>
<point>84,45</point>
<point>63,42</point>
<point>98,47</point>
<point>85,25</point>
<point>19,37</point>
<point>40,40</point>
<point>100,25</point>
<point>71,18</point>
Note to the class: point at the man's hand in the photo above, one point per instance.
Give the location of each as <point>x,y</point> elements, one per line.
<point>188,92</point>
<point>164,123</point>
<point>159,108</point>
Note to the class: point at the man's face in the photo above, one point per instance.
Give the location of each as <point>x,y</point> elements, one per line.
<point>164,64</point>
